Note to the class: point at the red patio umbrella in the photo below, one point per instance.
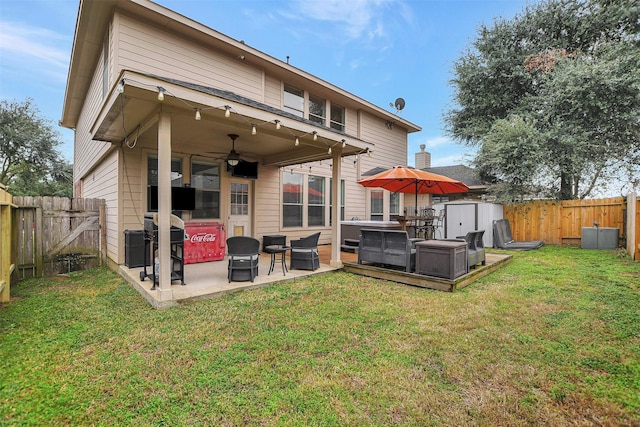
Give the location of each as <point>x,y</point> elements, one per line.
<point>409,180</point>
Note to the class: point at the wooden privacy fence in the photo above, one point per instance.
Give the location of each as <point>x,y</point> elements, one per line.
<point>54,235</point>
<point>561,222</point>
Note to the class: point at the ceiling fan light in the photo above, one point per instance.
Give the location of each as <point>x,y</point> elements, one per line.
<point>233,158</point>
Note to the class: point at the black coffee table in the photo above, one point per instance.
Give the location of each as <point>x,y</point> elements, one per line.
<point>275,250</point>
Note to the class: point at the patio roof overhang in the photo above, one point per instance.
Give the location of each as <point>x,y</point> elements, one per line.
<point>131,115</point>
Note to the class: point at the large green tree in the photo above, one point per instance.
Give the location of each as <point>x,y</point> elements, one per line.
<point>30,164</point>
<point>551,99</point>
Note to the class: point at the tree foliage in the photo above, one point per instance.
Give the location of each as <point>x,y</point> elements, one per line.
<point>30,164</point>
<point>552,99</point>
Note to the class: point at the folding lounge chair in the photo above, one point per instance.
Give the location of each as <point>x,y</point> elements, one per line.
<point>503,239</point>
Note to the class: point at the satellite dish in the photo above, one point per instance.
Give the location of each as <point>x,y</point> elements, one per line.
<point>398,105</point>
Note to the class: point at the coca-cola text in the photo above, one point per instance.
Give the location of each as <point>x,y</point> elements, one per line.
<point>202,237</point>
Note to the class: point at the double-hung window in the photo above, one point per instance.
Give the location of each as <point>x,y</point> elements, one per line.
<point>152,172</point>
<point>305,200</point>
<point>105,65</point>
<point>316,200</point>
<point>292,199</point>
<point>205,178</point>
<point>317,110</point>
<point>337,117</point>
<point>294,100</point>
<point>294,103</point>
<point>377,205</point>
<point>394,205</point>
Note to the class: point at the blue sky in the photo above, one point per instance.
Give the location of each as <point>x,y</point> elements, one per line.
<point>379,50</point>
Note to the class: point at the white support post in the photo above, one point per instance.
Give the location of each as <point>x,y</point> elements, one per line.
<point>164,206</point>
<point>336,196</point>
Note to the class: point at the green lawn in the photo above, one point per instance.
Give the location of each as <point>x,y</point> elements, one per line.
<point>553,338</point>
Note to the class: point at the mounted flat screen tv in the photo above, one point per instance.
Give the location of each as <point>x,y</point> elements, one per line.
<point>182,199</point>
<point>244,170</point>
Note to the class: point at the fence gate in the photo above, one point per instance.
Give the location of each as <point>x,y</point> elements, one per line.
<point>6,234</point>
<point>56,235</point>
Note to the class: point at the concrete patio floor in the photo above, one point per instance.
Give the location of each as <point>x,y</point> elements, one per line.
<point>209,279</point>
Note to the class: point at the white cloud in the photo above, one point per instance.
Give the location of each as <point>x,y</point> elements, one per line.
<point>356,63</point>
<point>435,145</point>
<point>454,159</point>
<point>357,18</point>
<point>438,141</point>
<point>20,43</point>
<point>444,151</point>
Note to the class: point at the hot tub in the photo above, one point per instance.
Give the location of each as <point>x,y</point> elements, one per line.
<point>351,229</point>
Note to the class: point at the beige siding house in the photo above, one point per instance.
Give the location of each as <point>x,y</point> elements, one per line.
<point>153,97</point>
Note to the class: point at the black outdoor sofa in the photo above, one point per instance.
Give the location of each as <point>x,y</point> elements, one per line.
<point>388,248</point>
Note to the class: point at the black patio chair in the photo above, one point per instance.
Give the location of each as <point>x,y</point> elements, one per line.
<point>438,224</point>
<point>304,253</point>
<point>475,248</point>
<point>243,254</point>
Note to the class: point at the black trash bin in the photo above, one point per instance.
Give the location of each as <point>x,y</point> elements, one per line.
<point>134,248</point>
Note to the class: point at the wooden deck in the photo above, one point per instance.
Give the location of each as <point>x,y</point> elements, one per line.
<point>325,255</point>
<point>494,262</point>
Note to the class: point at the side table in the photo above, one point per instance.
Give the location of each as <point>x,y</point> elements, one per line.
<point>274,239</point>
<point>442,258</point>
<point>274,250</point>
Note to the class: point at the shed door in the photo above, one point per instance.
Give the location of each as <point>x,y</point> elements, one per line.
<point>460,219</point>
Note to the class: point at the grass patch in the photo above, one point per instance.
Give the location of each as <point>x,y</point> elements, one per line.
<point>551,339</point>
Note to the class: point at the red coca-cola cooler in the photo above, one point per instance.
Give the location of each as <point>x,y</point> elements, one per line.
<point>204,241</point>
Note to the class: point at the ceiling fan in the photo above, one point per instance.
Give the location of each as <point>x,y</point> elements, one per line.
<point>232,158</point>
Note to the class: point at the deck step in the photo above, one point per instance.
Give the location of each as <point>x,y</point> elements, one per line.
<point>348,248</point>
<point>351,242</point>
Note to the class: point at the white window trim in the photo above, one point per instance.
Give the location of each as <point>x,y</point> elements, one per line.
<point>386,204</point>
<point>305,201</point>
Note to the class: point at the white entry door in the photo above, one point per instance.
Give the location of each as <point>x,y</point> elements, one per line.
<point>239,209</point>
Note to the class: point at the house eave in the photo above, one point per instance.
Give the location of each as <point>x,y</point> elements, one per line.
<point>94,17</point>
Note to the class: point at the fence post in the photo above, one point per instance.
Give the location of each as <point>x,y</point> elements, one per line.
<point>633,225</point>
<point>6,245</point>
<point>37,241</point>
